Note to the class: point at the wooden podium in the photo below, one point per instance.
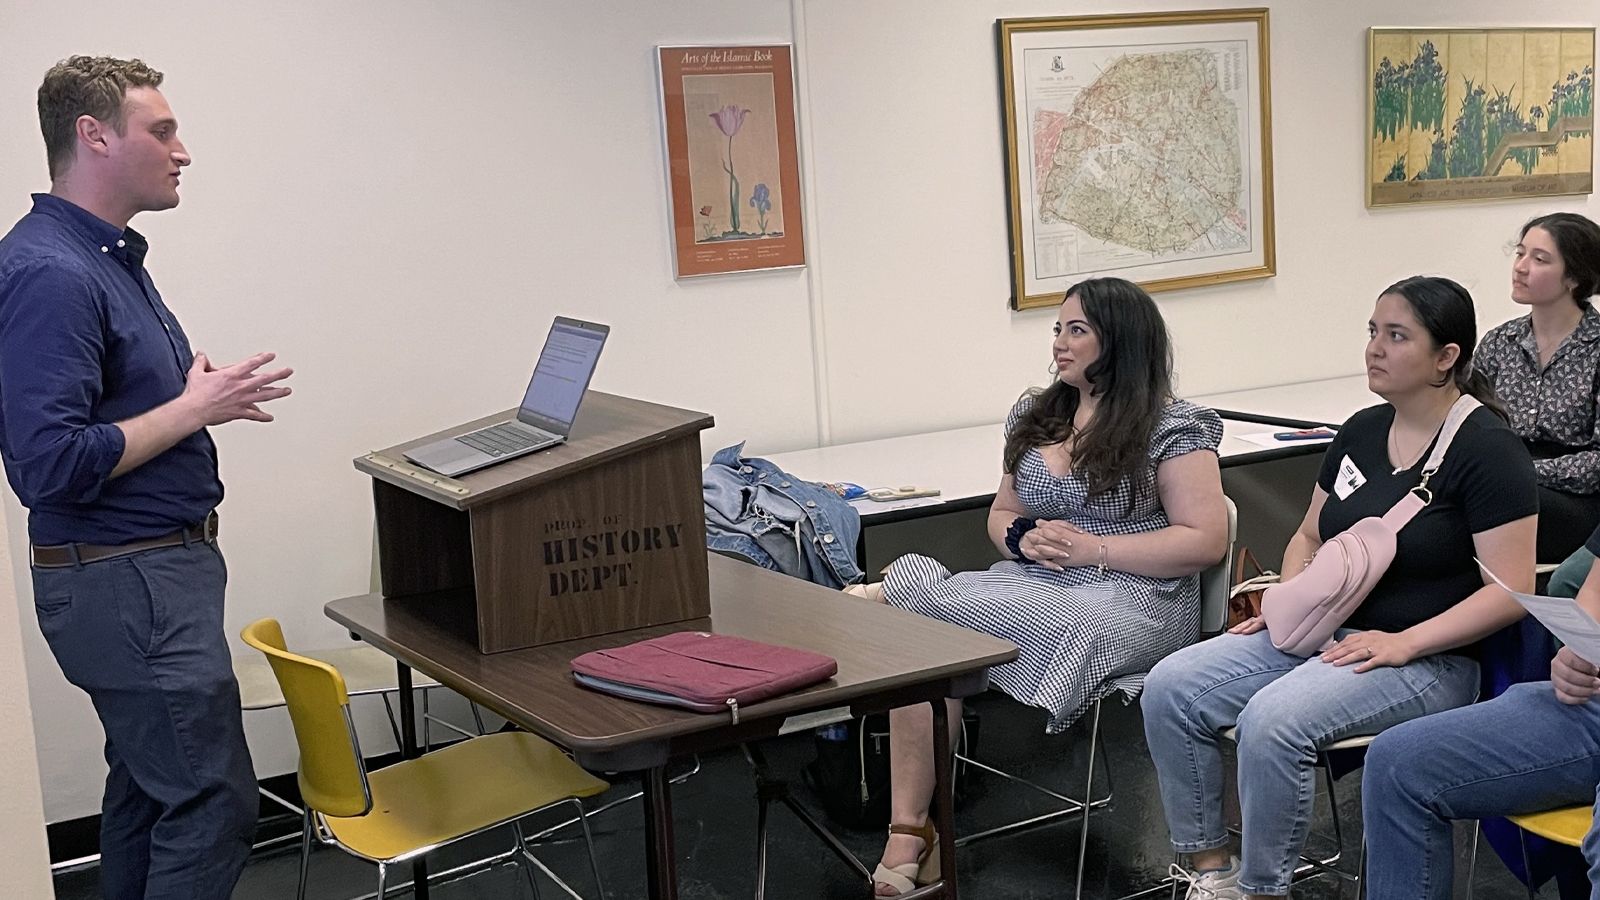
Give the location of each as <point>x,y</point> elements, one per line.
<point>603,533</point>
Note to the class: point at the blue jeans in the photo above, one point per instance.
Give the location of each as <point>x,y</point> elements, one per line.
<point>1286,707</point>
<point>1524,751</point>
<point>142,636</point>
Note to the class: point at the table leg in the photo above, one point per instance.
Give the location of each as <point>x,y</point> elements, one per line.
<point>408,712</point>
<point>944,798</point>
<point>661,869</point>
<point>408,750</point>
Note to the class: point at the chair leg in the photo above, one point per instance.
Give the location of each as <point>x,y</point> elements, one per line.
<point>1111,787</point>
<point>522,859</point>
<point>1333,810</point>
<point>307,828</point>
<point>383,879</point>
<point>588,841</point>
<point>1472,859</point>
<point>477,717</point>
<point>1527,868</point>
<point>761,844</point>
<point>427,723</point>
<point>1361,868</point>
<point>394,723</point>
<point>1088,791</point>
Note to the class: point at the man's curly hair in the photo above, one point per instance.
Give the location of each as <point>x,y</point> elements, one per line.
<point>86,86</point>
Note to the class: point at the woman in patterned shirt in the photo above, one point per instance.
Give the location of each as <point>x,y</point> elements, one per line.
<point>1110,504</point>
<point>1545,367</point>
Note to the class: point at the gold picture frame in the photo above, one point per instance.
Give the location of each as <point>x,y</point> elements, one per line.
<point>1462,114</point>
<point>1140,146</point>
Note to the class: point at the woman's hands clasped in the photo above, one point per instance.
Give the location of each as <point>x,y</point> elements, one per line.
<point>1050,544</point>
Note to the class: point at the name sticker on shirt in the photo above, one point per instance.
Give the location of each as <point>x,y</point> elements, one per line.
<point>1348,479</point>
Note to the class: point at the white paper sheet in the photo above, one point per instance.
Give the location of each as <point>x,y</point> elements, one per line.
<point>1565,618</point>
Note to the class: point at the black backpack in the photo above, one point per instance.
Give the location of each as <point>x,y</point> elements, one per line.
<point>850,775</point>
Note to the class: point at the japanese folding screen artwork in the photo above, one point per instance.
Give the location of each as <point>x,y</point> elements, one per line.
<point>732,158</point>
<point>1479,113</point>
<point>1138,146</point>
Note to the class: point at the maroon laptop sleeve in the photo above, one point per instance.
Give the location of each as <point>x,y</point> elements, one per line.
<point>701,671</point>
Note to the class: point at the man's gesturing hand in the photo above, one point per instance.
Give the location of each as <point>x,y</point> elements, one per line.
<point>219,395</point>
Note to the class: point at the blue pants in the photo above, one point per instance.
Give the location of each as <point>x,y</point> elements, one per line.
<point>1286,707</point>
<point>1524,751</point>
<point>142,635</point>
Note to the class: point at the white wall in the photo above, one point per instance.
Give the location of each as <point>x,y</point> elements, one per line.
<point>396,197</point>
<point>21,801</point>
<point>905,119</point>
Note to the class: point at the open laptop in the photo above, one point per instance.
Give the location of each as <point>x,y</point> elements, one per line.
<point>548,408</point>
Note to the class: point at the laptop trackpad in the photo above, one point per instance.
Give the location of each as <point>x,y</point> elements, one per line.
<point>445,456</point>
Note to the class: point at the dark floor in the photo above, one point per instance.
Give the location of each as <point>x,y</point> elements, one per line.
<point>715,817</point>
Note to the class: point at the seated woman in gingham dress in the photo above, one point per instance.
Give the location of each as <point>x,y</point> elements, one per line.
<point>1110,504</point>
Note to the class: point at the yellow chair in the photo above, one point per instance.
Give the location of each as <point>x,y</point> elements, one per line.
<point>398,814</point>
<point>1566,826</point>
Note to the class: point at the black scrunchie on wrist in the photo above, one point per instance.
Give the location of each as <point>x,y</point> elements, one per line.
<point>1020,526</point>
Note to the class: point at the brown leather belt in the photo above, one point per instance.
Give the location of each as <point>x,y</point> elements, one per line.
<point>60,556</point>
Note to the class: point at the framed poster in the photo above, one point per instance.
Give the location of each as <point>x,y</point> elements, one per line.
<point>733,164</point>
<point>1478,113</point>
<point>1138,146</point>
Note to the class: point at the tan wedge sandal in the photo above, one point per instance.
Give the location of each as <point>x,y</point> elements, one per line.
<point>909,876</point>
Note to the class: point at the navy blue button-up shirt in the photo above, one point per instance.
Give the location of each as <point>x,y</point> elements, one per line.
<point>86,342</point>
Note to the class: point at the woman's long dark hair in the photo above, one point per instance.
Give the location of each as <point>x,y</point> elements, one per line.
<point>1132,380</point>
<point>1445,309</point>
<point>1578,241</point>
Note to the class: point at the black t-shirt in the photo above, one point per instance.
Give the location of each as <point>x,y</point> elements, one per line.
<point>1486,481</point>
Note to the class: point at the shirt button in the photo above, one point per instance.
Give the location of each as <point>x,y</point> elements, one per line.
<point>122,243</point>
<point>783,484</point>
<point>811,503</point>
<point>827,539</point>
<point>105,249</point>
<point>746,469</point>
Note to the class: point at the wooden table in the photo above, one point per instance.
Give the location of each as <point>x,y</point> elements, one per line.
<point>887,658</point>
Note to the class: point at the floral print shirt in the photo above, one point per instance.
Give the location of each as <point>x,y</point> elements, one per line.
<point>1553,410</point>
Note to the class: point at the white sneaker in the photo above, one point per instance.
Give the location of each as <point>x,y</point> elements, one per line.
<point>1212,884</point>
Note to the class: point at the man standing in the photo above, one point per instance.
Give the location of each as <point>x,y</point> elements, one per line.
<point>103,415</point>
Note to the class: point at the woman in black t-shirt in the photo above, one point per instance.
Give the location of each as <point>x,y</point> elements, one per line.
<point>1402,654</point>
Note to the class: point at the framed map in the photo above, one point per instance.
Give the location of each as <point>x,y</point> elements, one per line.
<point>1138,146</point>
<point>1479,113</point>
<point>733,165</point>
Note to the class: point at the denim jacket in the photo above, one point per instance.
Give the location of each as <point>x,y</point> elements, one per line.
<point>758,512</point>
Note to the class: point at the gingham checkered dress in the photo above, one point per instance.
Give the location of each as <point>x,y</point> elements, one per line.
<point>1082,635</point>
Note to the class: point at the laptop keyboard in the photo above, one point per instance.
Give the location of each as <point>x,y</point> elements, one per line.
<point>498,440</point>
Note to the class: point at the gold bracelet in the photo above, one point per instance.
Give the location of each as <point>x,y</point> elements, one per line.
<point>1102,565</point>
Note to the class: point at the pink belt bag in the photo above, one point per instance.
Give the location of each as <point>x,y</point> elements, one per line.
<point>1303,613</point>
<point>701,671</point>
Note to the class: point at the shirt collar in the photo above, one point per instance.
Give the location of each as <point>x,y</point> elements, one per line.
<point>1588,331</point>
<point>126,244</point>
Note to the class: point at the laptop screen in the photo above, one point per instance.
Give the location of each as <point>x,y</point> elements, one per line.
<point>562,373</point>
